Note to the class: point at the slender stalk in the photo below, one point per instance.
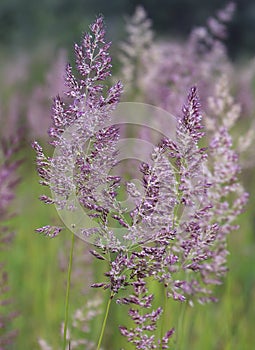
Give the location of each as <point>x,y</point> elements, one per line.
<point>104,322</point>
<point>181,325</point>
<point>68,291</point>
<point>228,312</point>
<point>163,317</point>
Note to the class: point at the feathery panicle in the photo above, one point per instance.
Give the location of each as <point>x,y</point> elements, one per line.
<point>87,108</point>
<point>145,322</point>
<point>135,50</point>
<point>167,69</point>
<point>225,113</point>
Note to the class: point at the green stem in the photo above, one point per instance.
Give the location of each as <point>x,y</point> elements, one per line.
<point>181,325</point>
<point>163,316</point>
<point>104,322</point>
<point>68,290</point>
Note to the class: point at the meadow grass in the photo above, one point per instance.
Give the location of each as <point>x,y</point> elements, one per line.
<point>38,284</point>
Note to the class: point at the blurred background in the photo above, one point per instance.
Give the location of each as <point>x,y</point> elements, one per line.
<point>25,24</point>
<point>36,41</point>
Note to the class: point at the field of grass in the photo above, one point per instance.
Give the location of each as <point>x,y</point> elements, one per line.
<point>37,268</point>
<point>37,265</point>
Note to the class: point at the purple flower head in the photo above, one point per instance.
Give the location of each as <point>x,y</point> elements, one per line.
<point>85,92</point>
<point>191,119</point>
<point>86,108</point>
<point>145,320</point>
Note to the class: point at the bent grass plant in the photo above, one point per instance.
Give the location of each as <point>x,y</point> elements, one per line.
<point>175,236</point>
<point>159,71</point>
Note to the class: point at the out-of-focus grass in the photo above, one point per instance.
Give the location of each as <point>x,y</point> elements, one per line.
<point>38,284</point>
<point>36,281</point>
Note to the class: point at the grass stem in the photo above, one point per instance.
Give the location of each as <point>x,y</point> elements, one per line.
<point>180,329</point>
<point>104,322</point>
<point>163,317</point>
<point>68,291</point>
